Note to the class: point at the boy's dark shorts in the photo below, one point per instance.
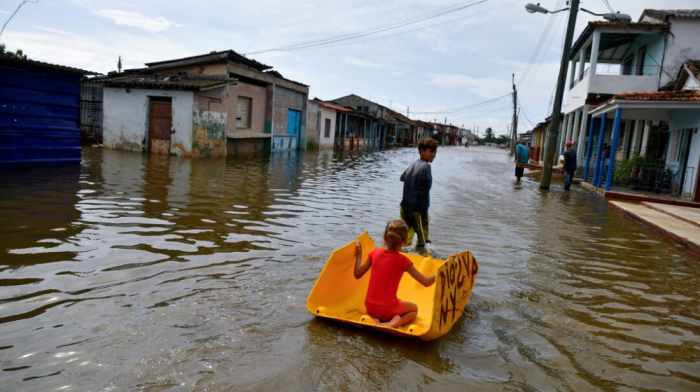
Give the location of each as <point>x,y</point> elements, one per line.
<point>519,171</point>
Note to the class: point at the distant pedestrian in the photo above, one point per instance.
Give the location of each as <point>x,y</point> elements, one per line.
<point>569,165</point>
<point>521,156</point>
<point>417,181</point>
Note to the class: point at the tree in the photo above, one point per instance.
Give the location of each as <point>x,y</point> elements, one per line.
<point>15,55</point>
<point>489,135</point>
<point>502,139</point>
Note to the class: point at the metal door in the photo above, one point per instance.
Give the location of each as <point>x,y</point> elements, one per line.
<point>293,125</point>
<point>159,125</point>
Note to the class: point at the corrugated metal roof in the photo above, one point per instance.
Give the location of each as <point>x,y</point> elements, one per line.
<point>210,57</point>
<point>167,82</point>
<point>9,61</point>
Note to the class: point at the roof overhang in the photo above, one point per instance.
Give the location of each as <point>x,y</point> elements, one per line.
<point>642,109</point>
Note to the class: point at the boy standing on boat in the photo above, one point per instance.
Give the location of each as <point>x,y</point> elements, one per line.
<point>417,181</point>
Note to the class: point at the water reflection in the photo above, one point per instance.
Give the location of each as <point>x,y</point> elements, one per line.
<point>148,273</point>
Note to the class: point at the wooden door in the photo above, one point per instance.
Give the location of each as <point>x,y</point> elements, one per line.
<point>159,125</point>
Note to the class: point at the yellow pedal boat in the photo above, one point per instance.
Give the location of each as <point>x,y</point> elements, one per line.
<point>337,295</point>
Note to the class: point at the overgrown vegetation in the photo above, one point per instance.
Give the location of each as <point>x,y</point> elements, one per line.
<point>633,168</point>
<point>15,55</point>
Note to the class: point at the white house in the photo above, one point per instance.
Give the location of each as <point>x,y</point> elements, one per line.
<point>172,115</point>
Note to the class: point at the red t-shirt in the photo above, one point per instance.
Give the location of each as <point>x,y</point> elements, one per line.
<point>387,269</point>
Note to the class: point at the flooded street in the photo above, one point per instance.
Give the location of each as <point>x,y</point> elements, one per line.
<point>133,272</point>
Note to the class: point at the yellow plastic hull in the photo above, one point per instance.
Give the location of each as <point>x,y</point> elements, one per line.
<point>339,296</point>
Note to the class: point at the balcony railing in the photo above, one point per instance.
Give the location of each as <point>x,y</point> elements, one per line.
<point>621,69</point>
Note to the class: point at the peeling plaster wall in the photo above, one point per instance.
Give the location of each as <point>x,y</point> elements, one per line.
<point>209,133</point>
<point>125,122</point>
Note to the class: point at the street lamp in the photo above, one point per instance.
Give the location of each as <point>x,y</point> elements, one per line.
<point>553,129</point>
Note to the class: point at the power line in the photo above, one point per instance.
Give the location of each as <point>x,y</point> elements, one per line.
<point>13,14</point>
<point>364,33</point>
<point>450,111</point>
<point>407,31</point>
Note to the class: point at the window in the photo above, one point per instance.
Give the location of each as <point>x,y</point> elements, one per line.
<point>640,60</point>
<point>243,107</point>
<point>327,130</point>
<point>627,66</point>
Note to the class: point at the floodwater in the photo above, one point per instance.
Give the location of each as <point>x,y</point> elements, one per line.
<point>154,273</point>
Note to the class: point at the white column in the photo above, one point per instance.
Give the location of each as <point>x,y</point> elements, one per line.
<point>572,73</point>
<point>636,136</point>
<point>567,129</point>
<point>594,51</point>
<point>585,125</point>
<point>645,137</point>
<point>625,141</point>
<point>582,62</point>
<point>574,130</point>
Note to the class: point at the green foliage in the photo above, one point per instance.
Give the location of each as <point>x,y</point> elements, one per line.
<point>311,145</point>
<point>15,55</point>
<point>631,168</point>
<point>502,139</point>
<point>489,135</point>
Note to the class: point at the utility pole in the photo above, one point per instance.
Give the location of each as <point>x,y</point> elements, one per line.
<point>553,130</point>
<point>514,134</point>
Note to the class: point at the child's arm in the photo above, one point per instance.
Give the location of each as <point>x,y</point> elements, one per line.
<point>426,281</point>
<point>360,270</point>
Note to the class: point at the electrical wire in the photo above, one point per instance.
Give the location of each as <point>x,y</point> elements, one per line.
<point>449,111</point>
<point>366,32</point>
<point>13,14</point>
<point>407,31</point>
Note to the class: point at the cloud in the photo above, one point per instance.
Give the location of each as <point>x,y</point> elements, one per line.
<point>55,31</point>
<point>483,87</point>
<point>360,63</point>
<point>126,18</point>
<point>3,12</point>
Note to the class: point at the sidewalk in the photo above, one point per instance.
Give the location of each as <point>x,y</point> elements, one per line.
<point>679,223</point>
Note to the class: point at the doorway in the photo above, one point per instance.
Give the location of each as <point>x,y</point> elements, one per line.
<point>160,120</point>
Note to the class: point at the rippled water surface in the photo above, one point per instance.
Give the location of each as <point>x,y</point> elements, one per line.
<point>154,273</point>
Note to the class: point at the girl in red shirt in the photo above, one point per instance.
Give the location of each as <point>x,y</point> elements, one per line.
<point>388,266</point>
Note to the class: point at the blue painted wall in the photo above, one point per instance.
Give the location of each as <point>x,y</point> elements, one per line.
<point>653,56</point>
<point>39,115</point>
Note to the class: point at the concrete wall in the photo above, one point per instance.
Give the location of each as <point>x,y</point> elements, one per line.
<point>285,99</point>
<point>330,114</point>
<point>314,125</point>
<point>258,95</point>
<point>355,101</point>
<point>686,119</point>
<point>681,44</point>
<point>125,120</point>
<point>691,83</point>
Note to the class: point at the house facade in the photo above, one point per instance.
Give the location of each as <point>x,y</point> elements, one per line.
<point>170,115</point>
<point>264,111</point>
<point>610,58</point>
<point>322,122</point>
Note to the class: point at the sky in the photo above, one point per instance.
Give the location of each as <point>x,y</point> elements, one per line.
<point>435,60</point>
